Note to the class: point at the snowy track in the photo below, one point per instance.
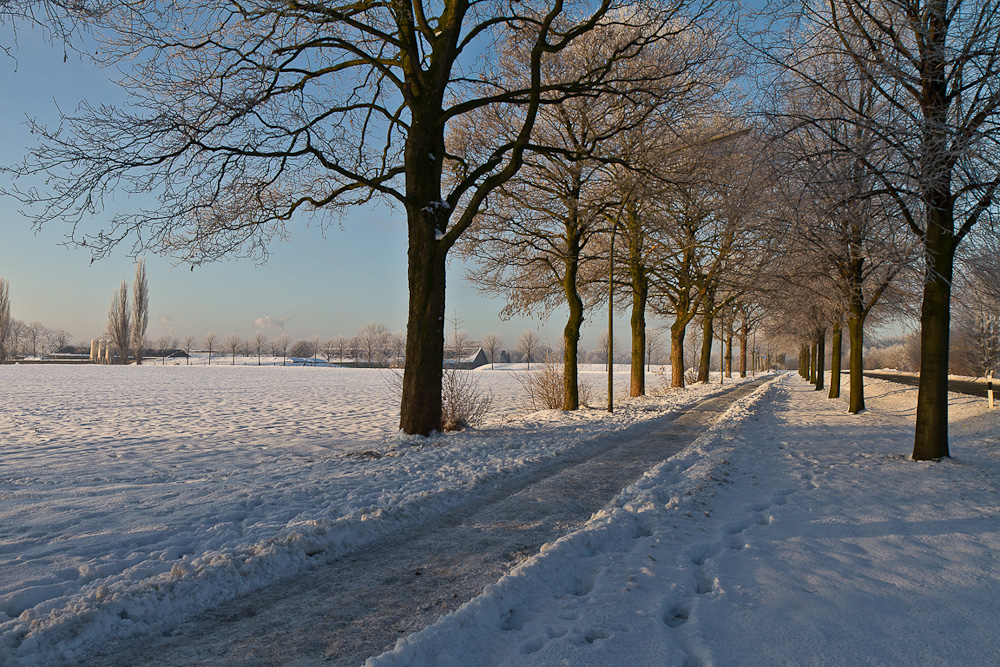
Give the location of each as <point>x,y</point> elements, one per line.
<point>355,607</point>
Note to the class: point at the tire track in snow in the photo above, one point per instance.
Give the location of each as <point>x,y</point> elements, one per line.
<point>343,612</point>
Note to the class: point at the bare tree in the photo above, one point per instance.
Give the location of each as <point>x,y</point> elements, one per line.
<point>281,346</point>
<point>233,343</point>
<point>538,242</point>
<point>140,310</point>
<point>397,347</point>
<point>372,339</point>
<point>528,344</point>
<point>342,345</point>
<point>165,344</point>
<point>243,115</point>
<point>257,343</point>
<point>5,320</point>
<point>209,344</point>
<point>492,342</point>
<point>118,322</point>
<point>188,344</point>
<point>604,347</point>
<point>57,339</point>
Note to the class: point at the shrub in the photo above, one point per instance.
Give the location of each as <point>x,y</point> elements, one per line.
<point>463,403</point>
<point>545,386</point>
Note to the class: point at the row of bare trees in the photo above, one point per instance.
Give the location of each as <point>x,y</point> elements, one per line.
<point>605,137</point>
<point>244,117</point>
<point>22,339</point>
<point>893,110</point>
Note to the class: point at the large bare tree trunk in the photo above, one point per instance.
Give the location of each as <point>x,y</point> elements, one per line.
<point>571,337</point>
<point>427,220</point>
<point>855,334</point>
<point>931,438</point>
<point>835,359</point>
<point>640,293</point>
<point>729,354</point>
<point>420,410</point>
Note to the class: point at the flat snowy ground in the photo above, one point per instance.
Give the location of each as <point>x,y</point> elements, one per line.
<point>791,533</point>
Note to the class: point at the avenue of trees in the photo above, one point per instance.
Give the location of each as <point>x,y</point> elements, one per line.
<point>242,116</point>
<point>584,157</point>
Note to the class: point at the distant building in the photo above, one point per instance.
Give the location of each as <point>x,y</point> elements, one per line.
<point>468,360</point>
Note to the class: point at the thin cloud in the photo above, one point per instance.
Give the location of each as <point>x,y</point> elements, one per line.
<point>271,323</point>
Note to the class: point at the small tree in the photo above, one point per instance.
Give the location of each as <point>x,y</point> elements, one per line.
<point>257,343</point>
<point>300,349</point>
<point>491,345</point>
<point>165,344</point>
<point>342,345</point>
<point>209,345</point>
<point>281,345</point>
<point>188,344</point>
<point>603,346</point>
<point>527,344</point>
<point>118,321</point>
<point>372,339</point>
<point>397,346</point>
<point>140,311</point>
<point>233,344</point>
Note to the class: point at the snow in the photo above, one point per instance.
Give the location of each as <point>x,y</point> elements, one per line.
<point>789,533</point>
<point>135,496</point>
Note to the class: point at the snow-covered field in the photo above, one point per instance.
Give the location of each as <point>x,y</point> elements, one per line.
<point>131,497</point>
<point>791,533</point>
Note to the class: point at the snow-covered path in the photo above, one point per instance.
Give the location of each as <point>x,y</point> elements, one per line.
<point>345,611</point>
<point>791,534</point>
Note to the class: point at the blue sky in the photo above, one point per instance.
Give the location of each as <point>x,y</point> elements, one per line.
<point>319,283</point>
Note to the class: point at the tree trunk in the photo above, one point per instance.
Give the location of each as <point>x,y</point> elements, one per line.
<point>705,363</point>
<point>743,336</point>
<point>707,331</point>
<point>729,355</point>
<point>835,359</point>
<point>931,439</point>
<point>855,334</point>
<point>637,386</point>
<point>821,359</point>
<point>640,291</point>
<point>420,409</point>
<point>571,337</point>
<point>677,332</point>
